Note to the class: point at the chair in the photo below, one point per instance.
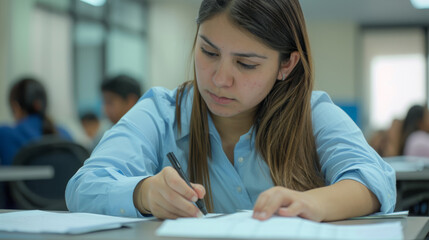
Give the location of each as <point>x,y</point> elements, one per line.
<point>64,156</point>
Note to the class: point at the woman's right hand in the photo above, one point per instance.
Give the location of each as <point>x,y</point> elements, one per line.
<point>167,196</point>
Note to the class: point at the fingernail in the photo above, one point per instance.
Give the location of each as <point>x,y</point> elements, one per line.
<point>256,214</point>
<point>260,214</point>
<point>200,214</point>
<point>194,199</point>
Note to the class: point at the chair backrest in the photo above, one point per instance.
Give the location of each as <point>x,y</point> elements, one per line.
<point>64,156</point>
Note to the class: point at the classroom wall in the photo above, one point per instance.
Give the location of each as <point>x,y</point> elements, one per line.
<point>333,46</point>
<point>20,12</point>
<point>15,39</point>
<point>4,50</point>
<point>171,34</point>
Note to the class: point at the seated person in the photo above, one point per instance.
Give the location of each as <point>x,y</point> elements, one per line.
<point>415,142</point>
<point>28,102</point>
<point>92,128</point>
<point>415,132</point>
<point>378,141</point>
<point>248,131</point>
<point>386,142</point>
<point>120,93</point>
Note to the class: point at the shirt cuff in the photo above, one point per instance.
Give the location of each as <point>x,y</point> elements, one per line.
<point>121,201</point>
<point>384,192</point>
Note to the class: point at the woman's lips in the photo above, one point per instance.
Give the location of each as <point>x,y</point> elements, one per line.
<point>220,100</point>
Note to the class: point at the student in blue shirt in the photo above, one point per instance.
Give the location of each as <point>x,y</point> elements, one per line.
<point>249,132</point>
<point>120,93</point>
<point>28,102</point>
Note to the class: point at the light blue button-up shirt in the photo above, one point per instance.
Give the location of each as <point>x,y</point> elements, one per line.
<point>136,147</point>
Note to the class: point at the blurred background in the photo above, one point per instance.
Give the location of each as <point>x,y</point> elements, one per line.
<point>371,56</point>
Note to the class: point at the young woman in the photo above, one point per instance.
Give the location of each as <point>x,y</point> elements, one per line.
<point>414,139</point>
<point>249,132</point>
<point>28,102</point>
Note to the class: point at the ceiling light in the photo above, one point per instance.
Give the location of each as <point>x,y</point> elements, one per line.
<point>420,4</point>
<point>96,3</point>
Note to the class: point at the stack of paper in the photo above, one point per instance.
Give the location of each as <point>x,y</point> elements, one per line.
<point>49,222</point>
<point>242,225</point>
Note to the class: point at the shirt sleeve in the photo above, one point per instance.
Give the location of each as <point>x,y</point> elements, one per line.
<point>345,154</point>
<point>126,154</point>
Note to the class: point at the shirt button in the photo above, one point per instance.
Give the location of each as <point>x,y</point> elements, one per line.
<point>239,189</point>
<point>240,160</point>
<point>122,211</point>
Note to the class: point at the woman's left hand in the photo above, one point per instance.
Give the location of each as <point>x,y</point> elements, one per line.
<point>288,203</point>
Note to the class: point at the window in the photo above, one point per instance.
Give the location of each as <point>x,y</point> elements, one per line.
<point>76,45</point>
<point>88,67</point>
<point>395,69</point>
<point>109,39</point>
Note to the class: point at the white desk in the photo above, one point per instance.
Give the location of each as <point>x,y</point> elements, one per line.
<point>413,227</point>
<point>16,173</point>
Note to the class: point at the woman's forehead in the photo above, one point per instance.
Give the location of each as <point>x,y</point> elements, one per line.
<point>223,33</point>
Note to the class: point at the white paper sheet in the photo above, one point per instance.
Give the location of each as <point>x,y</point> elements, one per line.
<point>36,221</point>
<point>242,225</point>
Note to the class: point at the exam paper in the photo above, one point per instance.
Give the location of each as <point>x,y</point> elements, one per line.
<point>242,225</point>
<point>36,221</point>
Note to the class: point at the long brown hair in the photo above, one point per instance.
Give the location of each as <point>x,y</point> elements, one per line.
<point>283,124</point>
<point>411,124</point>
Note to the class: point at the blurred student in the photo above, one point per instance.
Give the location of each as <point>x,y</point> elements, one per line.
<point>415,132</point>
<point>120,94</point>
<point>90,124</point>
<point>28,102</point>
<point>378,141</point>
<point>387,142</point>
<point>92,128</point>
<point>393,139</point>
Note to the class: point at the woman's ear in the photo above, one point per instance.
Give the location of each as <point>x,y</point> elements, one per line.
<point>286,67</point>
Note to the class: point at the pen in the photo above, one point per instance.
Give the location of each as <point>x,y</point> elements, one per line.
<point>176,165</point>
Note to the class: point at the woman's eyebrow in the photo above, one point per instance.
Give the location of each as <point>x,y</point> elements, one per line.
<point>208,41</point>
<point>246,55</point>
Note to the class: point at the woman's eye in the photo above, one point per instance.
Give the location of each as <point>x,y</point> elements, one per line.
<point>210,54</point>
<point>247,66</point>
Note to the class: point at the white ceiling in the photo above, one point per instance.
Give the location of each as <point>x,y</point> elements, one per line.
<point>367,12</point>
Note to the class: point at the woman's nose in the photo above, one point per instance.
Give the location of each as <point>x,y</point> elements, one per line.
<point>222,76</point>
